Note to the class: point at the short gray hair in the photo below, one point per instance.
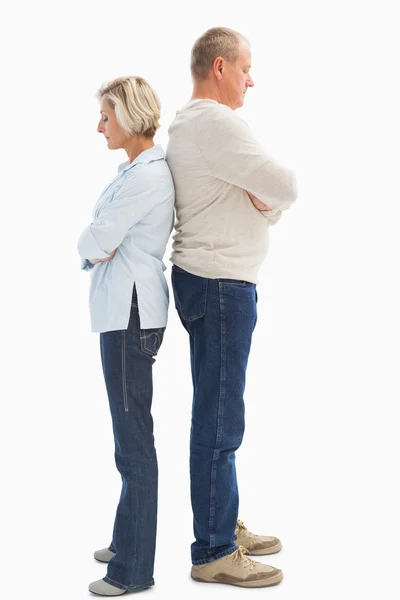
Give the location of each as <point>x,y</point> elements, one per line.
<point>218,41</point>
<point>137,106</point>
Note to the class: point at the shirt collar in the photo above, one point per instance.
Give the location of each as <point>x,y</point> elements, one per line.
<point>144,158</point>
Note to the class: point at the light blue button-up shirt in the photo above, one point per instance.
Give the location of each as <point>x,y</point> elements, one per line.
<point>135,213</point>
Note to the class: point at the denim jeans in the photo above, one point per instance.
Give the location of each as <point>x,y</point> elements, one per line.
<point>127,358</point>
<point>220,316</point>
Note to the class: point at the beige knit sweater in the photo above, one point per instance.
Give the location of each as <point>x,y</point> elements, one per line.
<point>214,159</point>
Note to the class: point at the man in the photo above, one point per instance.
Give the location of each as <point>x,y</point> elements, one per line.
<point>228,192</point>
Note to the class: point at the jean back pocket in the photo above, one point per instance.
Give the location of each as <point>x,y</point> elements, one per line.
<point>151,340</point>
<point>190,293</point>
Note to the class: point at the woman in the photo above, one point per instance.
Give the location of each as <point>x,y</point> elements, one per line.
<point>123,248</point>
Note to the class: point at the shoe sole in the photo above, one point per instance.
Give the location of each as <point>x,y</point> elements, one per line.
<point>265,551</point>
<point>248,584</point>
<point>102,561</point>
<point>104,596</point>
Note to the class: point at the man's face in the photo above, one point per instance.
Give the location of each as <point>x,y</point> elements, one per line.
<point>238,79</point>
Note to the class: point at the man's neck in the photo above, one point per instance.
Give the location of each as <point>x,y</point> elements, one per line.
<point>206,91</point>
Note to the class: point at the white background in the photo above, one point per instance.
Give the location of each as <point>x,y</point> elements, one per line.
<point>319,463</point>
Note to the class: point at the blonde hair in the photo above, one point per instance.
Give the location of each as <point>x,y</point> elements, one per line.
<point>137,106</point>
<point>218,41</point>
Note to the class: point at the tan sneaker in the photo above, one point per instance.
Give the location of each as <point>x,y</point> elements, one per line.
<point>237,569</point>
<point>258,545</point>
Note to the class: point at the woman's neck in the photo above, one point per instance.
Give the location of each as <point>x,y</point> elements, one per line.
<point>137,145</point>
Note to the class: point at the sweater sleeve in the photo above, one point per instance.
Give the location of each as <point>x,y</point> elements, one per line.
<point>235,156</point>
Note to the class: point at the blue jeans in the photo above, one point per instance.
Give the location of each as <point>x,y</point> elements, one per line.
<point>127,358</point>
<point>219,316</point>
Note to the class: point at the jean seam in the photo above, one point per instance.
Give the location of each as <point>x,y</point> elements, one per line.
<point>219,419</point>
<point>124,392</point>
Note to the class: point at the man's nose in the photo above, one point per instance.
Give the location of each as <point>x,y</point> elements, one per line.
<point>250,82</point>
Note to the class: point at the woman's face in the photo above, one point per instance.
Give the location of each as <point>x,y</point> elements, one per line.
<point>109,127</point>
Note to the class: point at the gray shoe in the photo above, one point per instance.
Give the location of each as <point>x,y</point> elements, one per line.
<point>102,588</point>
<point>104,555</point>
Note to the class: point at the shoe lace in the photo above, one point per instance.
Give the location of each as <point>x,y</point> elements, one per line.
<point>242,527</point>
<point>240,556</point>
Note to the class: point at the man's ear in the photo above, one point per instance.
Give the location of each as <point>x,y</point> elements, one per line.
<point>218,67</point>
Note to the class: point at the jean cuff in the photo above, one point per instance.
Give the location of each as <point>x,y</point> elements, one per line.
<point>205,561</point>
<point>129,588</point>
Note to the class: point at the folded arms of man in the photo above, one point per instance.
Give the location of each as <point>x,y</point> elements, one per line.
<point>234,155</point>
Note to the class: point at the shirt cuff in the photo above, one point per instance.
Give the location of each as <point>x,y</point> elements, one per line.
<point>88,247</point>
<point>272,216</point>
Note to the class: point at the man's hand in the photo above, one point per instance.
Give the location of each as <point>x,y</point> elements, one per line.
<point>94,261</point>
<point>257,203</point>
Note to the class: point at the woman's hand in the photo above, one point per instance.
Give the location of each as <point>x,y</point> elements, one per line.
<point>94,261</point>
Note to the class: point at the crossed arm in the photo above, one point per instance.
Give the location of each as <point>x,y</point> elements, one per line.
<point>257,203</point>
<point>270,186</point>
<point>135,198</point>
